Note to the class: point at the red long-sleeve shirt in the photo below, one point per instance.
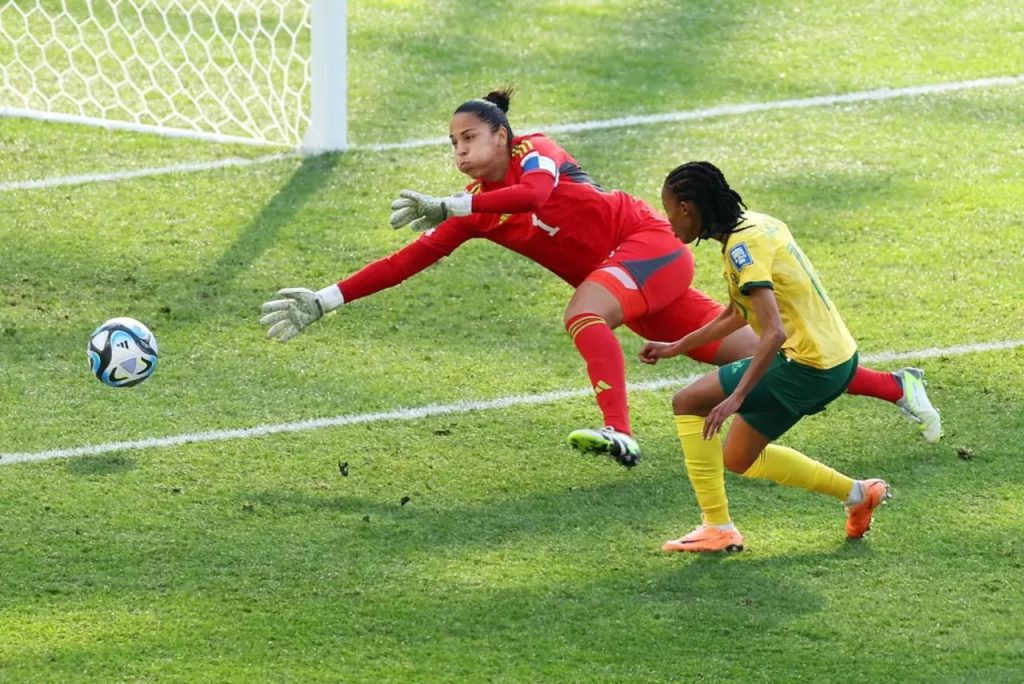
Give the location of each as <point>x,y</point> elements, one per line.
<point>545,208</point>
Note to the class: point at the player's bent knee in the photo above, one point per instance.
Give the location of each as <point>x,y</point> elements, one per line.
<point>738,466</point>
<point>683,403</point>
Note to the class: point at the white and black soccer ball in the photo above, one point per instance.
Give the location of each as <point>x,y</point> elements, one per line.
<point>122,352</point>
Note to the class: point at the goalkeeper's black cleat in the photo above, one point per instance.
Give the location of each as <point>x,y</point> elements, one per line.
<point>620,446</point>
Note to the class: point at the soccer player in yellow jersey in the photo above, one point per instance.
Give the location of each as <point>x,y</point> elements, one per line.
<point>804,359</point>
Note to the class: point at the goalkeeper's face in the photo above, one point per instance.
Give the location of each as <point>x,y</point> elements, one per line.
<point>479,152</point>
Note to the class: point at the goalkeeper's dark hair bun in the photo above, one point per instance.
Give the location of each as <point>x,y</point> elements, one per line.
<point>491,109</point>
<point>501,98</point>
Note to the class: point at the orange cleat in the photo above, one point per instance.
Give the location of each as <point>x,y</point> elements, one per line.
<point>858,517</point>
<point>707,539</point>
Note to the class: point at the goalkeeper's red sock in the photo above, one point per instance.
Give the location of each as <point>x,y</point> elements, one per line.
<point>878,384</point>
<point>600,348</point>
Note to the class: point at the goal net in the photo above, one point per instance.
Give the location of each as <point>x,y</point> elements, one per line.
<point>226,70</point>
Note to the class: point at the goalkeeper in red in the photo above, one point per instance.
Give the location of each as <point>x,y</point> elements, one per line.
<point>621,257</point>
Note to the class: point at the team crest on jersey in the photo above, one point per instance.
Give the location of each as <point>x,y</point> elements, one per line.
<point>740,256</point>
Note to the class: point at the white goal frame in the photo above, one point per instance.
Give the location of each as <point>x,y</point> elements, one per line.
<point>289,89</point>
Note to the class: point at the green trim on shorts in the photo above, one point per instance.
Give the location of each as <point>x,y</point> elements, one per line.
<point>787,392</point>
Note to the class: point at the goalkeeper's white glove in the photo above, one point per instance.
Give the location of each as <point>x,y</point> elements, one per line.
<point>423,212</point>
<point>299,307</point>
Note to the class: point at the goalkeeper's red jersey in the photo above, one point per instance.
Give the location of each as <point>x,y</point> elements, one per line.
<point>545,208</point>
<point>573,230</point>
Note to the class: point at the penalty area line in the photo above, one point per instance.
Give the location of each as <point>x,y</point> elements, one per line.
<point>416,413</point>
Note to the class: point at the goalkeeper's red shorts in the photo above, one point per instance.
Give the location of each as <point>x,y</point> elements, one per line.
<point>680,318</point>
<point>650,275</point>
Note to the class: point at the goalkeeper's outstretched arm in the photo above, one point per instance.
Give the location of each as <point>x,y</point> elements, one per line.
<point>297,307</point>
<point>422,212</point>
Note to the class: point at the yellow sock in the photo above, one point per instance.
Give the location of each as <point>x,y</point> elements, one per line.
<point>791,468</point>
<point>704,466</point>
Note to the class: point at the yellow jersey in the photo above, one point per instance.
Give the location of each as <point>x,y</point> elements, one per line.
<point>761,252</point>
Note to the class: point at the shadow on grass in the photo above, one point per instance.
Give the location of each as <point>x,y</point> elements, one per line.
<point>262,231</point>
<point>101,465</point>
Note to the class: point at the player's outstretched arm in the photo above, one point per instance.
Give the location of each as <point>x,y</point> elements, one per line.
<point>297,308</point>
<point>422,212</point>
<point>729,320</point>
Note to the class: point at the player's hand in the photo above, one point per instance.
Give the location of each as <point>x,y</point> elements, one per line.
<point>422,212</point>
<point>287,317</point>
<point>297,308</point>
<point>652,351</point>
<point>418,211</point>
<point>713,423</point>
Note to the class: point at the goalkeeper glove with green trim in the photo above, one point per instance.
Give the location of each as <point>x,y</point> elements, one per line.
<point>299,307</point>
<point>423,212</point>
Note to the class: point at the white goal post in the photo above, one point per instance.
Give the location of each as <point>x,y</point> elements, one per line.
<point>261,72</point>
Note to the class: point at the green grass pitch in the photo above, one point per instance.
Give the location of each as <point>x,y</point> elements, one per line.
<point>476,546</point>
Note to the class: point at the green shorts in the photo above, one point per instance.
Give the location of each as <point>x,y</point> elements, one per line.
<point>787,392</point>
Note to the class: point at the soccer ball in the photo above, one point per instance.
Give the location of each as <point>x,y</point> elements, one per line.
<point>122,352</point>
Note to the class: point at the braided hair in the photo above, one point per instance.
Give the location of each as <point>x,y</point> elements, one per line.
<point>721,207</point>
<point>492,109</point>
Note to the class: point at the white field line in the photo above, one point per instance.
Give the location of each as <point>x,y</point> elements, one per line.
<point>188,167</point>
<point>405,414</point>
<point>113,125</point>
<point>621,122</point>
